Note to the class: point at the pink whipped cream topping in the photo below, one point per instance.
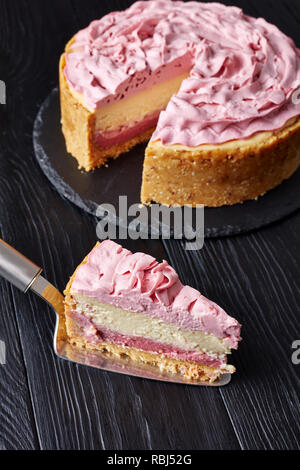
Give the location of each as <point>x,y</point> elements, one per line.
<point>137,282</point>
<point>244,71</point>
<point>95,334</point>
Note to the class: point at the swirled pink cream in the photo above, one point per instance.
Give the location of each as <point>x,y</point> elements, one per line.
<point>136,282</point>
<point>243,71</point>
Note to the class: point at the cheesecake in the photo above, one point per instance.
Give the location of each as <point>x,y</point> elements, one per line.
<point>128,304</point>
<point>211,87</point>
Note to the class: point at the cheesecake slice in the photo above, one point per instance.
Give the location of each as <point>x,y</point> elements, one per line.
<point>129,304</point>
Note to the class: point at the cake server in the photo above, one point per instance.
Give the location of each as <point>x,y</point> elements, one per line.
<point>26,276</point>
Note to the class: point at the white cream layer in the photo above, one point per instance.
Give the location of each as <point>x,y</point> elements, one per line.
<point>138,324</point>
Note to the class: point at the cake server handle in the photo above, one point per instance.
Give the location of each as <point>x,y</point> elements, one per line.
<point>16,268</point>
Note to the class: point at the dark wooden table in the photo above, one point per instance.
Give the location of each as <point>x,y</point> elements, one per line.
<point>49,404</point>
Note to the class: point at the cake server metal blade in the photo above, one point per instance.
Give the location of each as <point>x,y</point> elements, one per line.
<point>27,276</point>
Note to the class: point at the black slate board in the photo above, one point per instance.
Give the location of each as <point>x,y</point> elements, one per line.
<point>123,177</point>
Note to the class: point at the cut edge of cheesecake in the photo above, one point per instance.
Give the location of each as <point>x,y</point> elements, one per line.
<point>81,124</point>
<point>85,333</point>
<point>77,126</point>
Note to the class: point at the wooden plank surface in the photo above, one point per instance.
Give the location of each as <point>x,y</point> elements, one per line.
<point>49,404</point>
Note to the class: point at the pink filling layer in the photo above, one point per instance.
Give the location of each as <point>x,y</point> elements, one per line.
<point>95,334</point>
<point>138,283</point>
<point>118,136</point>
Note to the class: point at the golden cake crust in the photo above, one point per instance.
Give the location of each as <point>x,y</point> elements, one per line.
<point>223,174</point>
